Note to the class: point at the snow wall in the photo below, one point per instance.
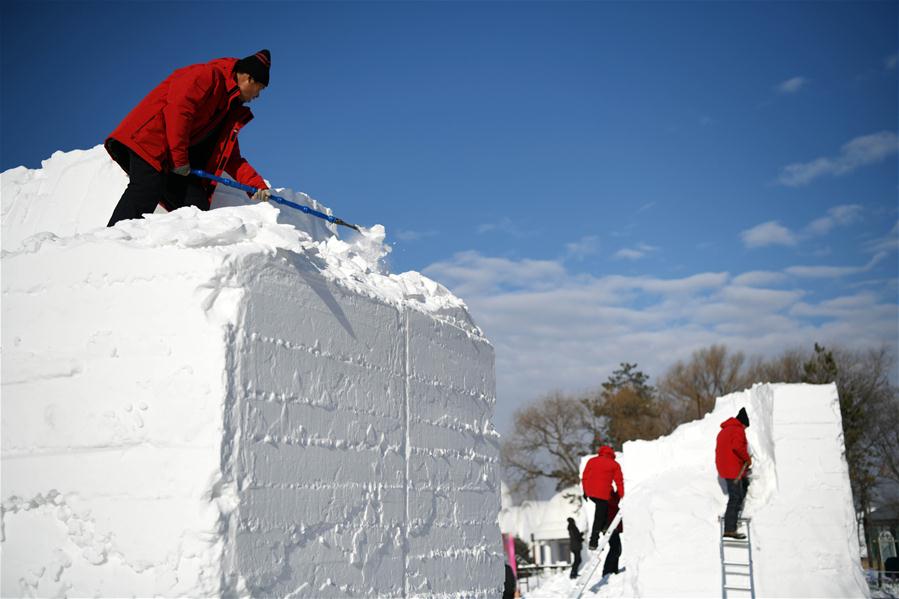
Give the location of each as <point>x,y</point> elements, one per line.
<point>222,403</point>
<point>804,535</point>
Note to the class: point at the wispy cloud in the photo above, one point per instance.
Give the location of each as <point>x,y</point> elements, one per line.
<point>583,247</point>
<point>889,63</point>
<point>791,86</point>
<point>555,329</point>
<point>404,235</point>
<point>769,233</point>
<point>759,278</point>
<point>887,243</point>
<point>635,253</point>
<point>475,273</point>
<point>773,233</point>
<point>504,225</point>
<point>833,272</point>
<point>858,152</point>
<point>844,214</point>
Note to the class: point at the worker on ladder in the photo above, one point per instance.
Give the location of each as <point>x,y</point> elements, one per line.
<point>733,460</point>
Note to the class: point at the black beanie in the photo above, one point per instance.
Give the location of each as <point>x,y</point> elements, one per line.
<point>256,66</point>
<point>743,417</point>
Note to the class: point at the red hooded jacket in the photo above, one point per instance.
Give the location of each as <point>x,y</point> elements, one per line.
<point>183,110</point>
<point>731,450</point>
<point>600,472</point>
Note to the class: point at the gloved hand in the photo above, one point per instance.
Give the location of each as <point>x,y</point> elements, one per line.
<point>262,195</point>
<point>182,170</point>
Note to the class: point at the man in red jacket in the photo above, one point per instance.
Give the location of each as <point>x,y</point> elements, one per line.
<point>599,474</point>
<point>190,120</point>
<point>732,460</point>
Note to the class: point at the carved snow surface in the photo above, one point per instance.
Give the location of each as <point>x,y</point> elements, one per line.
<point>804,535</point>
<point>233,402</point>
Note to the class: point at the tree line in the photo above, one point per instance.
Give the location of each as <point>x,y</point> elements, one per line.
<point>551,434</point>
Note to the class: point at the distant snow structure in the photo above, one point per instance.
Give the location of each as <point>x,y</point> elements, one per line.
<point>543,525</point>
<point>220,403</point>
<point>804,536</point>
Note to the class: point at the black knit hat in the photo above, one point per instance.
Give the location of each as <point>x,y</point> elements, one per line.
<point>743,417</point>
<point>256,66</point>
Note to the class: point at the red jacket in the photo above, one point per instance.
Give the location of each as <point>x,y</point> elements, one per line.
<point>599,474</point>
<point>731,451</point>
<point>184,110</point>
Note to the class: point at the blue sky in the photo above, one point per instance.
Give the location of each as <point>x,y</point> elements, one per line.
<point>600,181</point>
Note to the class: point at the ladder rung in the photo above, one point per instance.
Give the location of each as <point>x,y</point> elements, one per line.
<point>734,564</point>
<point>737,574</point>
<point>738,589</point>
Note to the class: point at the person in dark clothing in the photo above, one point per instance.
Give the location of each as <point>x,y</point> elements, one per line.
<point>509,583</point>
<point>611,564</point>
<point>576,541</point>
<point>190,120</point>
<point>599,474</point>
<point>732,460</point>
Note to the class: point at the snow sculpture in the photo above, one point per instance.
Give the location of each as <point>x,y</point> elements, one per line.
<point>804,535</point>
<point>219,403</point>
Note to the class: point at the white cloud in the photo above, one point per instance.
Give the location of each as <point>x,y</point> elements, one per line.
<point>405,235</point>
<point>858,152</point>
<point>635,253</point>
<point>773,233</point>
<point>757,278</point>
<point>504,225</point>
<point>844,214</point>
<point>888,243</point>
<point>791,86</point>
<point>833,272</point>
<point>889,63</point>
<point>553,329</point>
<point>473,273</point>
<point>583,247</point>
<point>769,233</point>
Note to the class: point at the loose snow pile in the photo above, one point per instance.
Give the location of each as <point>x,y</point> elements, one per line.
<point>804,539</point>
<point>232,402</point>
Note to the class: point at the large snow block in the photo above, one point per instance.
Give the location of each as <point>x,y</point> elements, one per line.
<point>202,404</point>
<point>803,527</point>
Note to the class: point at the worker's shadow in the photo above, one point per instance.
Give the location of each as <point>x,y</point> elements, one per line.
<point>604,581</point>
<point>318,284</point>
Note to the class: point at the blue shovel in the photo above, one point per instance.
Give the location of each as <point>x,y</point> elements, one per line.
<point>274,198</point>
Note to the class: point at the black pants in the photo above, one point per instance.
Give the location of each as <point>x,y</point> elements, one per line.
<point>599,519</point>
<point>576,564</point>
<point>611,564</point>
<point>735,494</point>
<point>147,187</point>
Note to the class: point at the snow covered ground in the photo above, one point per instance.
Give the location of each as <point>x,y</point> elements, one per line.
<point>804,541</point>
<point>233,402</point>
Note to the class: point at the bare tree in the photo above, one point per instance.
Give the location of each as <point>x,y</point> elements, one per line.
<point>785,368</point>
<point>709,374</point>
<point>548,439</point>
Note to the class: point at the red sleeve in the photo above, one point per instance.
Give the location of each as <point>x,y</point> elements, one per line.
<point>740,446</point>
<point>619,481</point>
<point>186,92</point>
<point>241,170</point>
